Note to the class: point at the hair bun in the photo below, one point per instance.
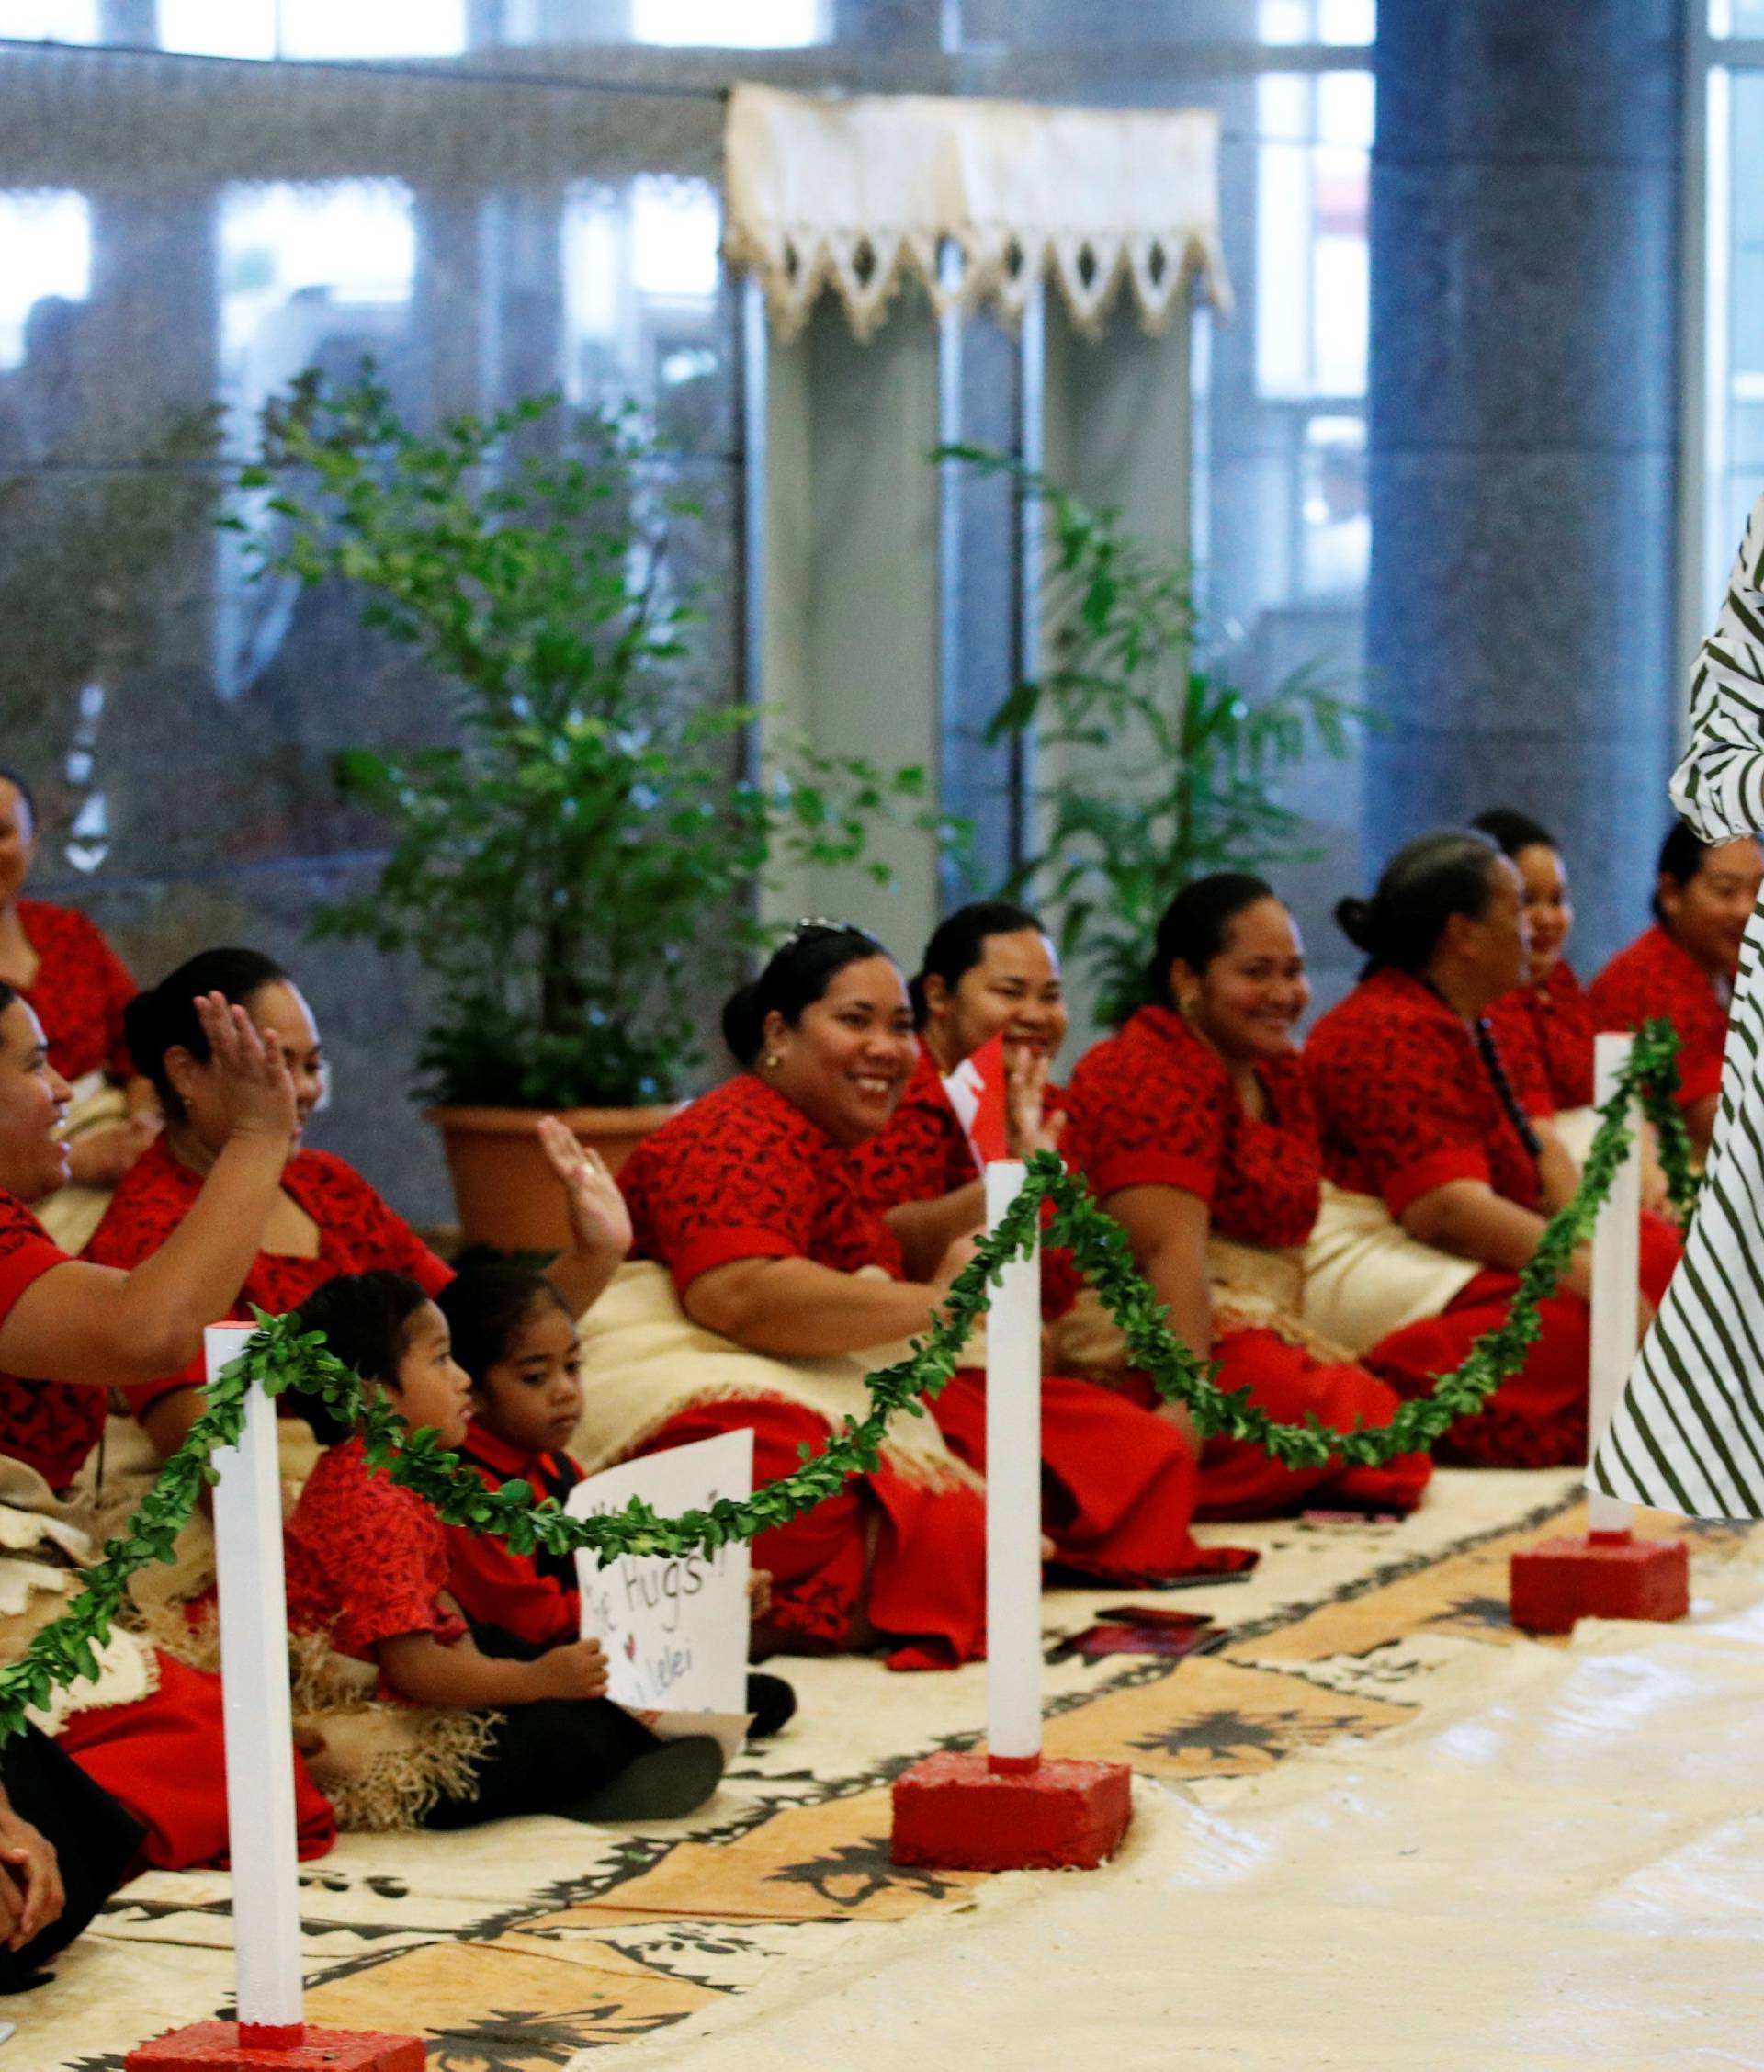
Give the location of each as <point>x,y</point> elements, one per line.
<point>743,1025</point>
<point>1354,918</point>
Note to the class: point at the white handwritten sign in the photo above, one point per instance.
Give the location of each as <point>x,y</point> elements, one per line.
<point>674,1626</point>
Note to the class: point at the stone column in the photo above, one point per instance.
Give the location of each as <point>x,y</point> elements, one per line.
<point>1523,391</point>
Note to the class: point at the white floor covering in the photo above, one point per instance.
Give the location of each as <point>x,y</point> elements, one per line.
<point>1559,1864</point>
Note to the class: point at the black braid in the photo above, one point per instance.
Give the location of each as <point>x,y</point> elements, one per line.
<point>1490,1049</point>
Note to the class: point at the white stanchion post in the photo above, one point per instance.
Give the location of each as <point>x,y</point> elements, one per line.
<point>260,1739</point>
<point>1616,1258</point>
<point>1012,1495</point>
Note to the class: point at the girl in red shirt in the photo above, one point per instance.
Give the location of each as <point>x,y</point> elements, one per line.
<point>1416,1107</point>
<point>1193,1124</point>
<point>1119,1484</point>
<point>367,1564</point>
<point>71,1323</point>
<point>750,1198</point>
<point>326,1219</point>
<point>1684,967</point>
<point>513,1335</point>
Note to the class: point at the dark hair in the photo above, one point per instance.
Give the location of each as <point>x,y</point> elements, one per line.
<point>798,974</point>
<point>164,1018</point>
<point>7,995</point>
<point>1513,830</point>
<point>1681,857</point>
<point>366,1319</point>
<point>11,776</point>
<point>1423,885</point>
<point>960,943</point>
<point>486,1303</point>
<point>1195,923</point>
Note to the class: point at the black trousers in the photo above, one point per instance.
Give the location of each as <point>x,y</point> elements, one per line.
<point>545,1756</point>
<point>94,1839</point>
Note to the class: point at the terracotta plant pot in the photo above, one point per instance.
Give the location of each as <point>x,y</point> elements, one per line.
<point>505,1189</point>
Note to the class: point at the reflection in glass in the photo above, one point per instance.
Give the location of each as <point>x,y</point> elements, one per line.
<point>46,236</point>
<point>318,274</point>
<point>752,24</point>
<point>50,21</point>
<point>641,274</point>
<point>1338,523</point>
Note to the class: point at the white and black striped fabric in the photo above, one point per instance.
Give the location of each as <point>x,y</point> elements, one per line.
<point>1687,1435</point>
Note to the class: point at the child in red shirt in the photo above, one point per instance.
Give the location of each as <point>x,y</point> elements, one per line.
<point>515,1336</point>
<point>368,1562</point>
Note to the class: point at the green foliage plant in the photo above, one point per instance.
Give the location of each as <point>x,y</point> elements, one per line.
<point>1160,769</point>
<point>580,860</point>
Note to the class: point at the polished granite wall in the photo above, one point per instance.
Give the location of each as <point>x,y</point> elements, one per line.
<point>533,203</point>
<point>1524,392</point>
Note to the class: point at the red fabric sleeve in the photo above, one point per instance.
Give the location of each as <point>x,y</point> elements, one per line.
<point>27,1252</point>
<point>1146,1112</point>
<point>923,1154</point>
<point>705,1196</point>
<point>1413,1113</point>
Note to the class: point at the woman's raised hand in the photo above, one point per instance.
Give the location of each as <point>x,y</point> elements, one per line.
<point>251,1074</point>
<point>599,1220</point>
<point>1026,1128</point>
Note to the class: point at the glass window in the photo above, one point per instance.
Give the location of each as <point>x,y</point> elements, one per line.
<point>386,28</point>
<point>50,21</point>
<point>1319,21</point>
<point>47,237</point>
<point>1312,254</point>
<point>218,29</point>
<point>752,24</point>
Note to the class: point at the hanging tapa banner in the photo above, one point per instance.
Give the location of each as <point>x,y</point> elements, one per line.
<point>857,194</point>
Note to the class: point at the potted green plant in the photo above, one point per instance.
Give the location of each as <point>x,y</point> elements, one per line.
<point>1160,769</point>
<point>580,859</point>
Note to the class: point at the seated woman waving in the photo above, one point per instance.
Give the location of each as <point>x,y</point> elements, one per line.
<point>1118,1484</point>
<point>1194,1127</point>
<point>750,1201</point>
<point>1416,1108</point>
<point>324,1219</point>
<point>147,1788</point>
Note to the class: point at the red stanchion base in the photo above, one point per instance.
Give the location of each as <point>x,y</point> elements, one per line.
<point>957,1813</point>
<point>219,2046</point>
<point>1603,1576</point>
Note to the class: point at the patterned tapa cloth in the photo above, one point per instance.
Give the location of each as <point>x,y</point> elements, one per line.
<point>1687,1435</point>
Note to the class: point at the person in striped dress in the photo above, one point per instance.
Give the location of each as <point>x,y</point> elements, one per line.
<point>1688,1433</point>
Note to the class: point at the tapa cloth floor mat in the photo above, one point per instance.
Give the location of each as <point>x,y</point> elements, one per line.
<point>513,1948</point>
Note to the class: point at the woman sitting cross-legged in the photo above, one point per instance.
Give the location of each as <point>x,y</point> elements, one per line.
<point>368,1565</point>
<point>1194,1127</point>
<point>516,1337</point>
<point>1418,1113</point>
<point>146,1734</point>
<point>764,1288</point>
<point>325,1220</point>
<point>1118,1484</point>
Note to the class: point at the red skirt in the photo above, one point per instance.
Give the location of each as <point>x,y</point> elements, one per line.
<point>1239,1480</point>
<point>1537,1417</point>
<point>1118,1485</point>
<point>912,1558</point>
<point>165,1758</point>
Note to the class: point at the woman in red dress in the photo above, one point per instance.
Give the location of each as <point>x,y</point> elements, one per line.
<point>58,963</point>
<point>326,1219</point>
<point>750,1198</point>
<point>71,1322</point>
<point>1415,1107</point>
<point>1683,967</point>
<point>1119,1483</point>
<point>1193,1124</point>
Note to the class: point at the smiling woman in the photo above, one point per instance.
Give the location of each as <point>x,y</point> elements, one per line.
<point>752,1201</point>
